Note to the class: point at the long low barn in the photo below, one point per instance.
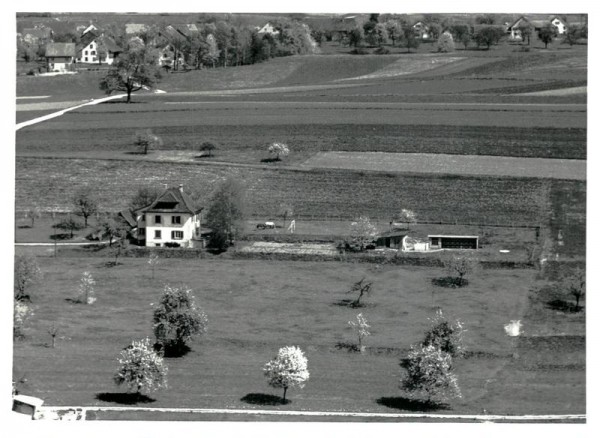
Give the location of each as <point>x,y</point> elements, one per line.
<point>440,241</point>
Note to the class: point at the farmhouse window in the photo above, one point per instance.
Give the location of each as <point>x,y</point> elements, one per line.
<point>94,58</point>
<point>143,218</point>
<point>157,219</point>
<point>93,52</point>
<point>85,59</point>
<point>176,219</point>
<point>435,241</point>
<point>176,235</point>
<point>141,232</point>
<point>157,234</point>
<point>85,53</point>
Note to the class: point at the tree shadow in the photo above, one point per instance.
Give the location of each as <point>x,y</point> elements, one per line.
<point>123,398</point>
<point>172,351</point>
<point>264,399</point>
<point>270,160</point>
<point>449,282</point>
<point>407,404</point>
<point>74,301</point>
<point>61,236</point>
<point>563,306</point>
<point>352,304</point>
<point>23,226</point>
<point>347,346</point>
<point>136,153</point>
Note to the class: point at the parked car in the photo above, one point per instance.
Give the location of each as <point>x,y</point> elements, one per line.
<point>265,225</point>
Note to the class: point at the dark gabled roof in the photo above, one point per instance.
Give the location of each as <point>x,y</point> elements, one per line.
<point>173,200</point>
<point>104,41</point>
<point>60,50</point>
<point>392,233</point>
<point>127,215</point>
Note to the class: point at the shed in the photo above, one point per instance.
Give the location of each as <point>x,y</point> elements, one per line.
<point>441,241</point>
<point>391,239</point>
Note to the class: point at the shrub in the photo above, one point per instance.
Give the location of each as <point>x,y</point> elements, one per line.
<point>289,369</point>
<point>141,368</point>
<point>177,319</point>
<point>86,289</point>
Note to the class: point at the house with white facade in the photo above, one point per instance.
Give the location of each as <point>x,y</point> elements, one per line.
<point>97,49</point>
<point>171,221</point>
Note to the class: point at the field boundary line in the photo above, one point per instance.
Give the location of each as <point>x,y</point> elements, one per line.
<point>483,418</point>
<point>61,112</point>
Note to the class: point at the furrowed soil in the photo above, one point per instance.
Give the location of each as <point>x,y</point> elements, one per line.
<point>50,183</point>
<point>242,130</point>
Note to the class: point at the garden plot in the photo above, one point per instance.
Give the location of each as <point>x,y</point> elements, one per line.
<point>290,248</point>
<point>451,164</point>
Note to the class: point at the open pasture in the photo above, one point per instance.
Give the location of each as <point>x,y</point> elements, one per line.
<point>254,308</point>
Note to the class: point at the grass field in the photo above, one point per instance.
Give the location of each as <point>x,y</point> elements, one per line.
<point>256,307</point>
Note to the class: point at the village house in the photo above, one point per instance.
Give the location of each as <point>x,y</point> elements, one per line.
<point>60,56</point>
<point>171,220</point>
<point>171,39</point>
<point>559,25</point>
<point>268,29</point>
<point>97,49</point>
<point>421,30</point>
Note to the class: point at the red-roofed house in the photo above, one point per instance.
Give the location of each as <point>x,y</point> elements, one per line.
<point>170,220</point>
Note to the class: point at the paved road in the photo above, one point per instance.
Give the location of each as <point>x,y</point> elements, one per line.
<point>80,413</point>
<point>60,113</point>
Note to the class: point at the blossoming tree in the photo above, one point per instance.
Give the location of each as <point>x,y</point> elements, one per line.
<point>428,372</point>
<point>141,368</point>
<point>289,369</point>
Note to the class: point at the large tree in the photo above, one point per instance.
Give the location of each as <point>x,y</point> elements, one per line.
<point>177,319</point>
<point>144,197</point>
<point>394,30</point>
<point>226,213</point>
<point>486,35</point>
<point>135,68</point>
<point>546,34</point>
<point>410,39</point>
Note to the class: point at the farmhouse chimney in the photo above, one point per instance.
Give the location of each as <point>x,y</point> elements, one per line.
<point>181,188</point>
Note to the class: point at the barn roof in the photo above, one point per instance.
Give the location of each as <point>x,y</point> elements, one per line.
<point>60,50</point>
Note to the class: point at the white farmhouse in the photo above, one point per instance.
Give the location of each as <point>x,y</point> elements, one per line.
<point>171,220</point>
<point>97,49</point>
